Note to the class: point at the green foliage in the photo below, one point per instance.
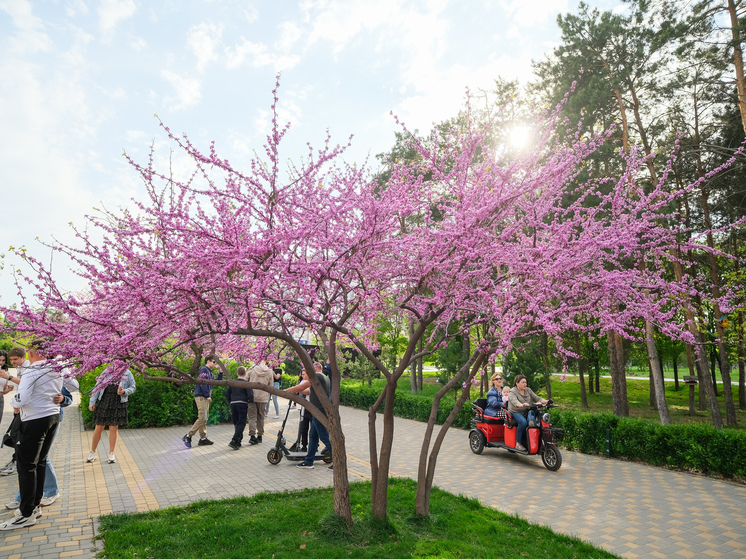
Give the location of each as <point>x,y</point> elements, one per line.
<point>697,447</point>
<point>242,527</point>
<point>525,360</point>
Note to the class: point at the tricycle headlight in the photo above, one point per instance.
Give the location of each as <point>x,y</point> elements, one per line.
<point>545,418</point>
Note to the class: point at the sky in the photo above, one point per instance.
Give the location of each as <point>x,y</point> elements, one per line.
<point>82,82</point>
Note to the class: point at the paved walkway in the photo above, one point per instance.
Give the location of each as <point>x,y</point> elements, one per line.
<point>629,509</point>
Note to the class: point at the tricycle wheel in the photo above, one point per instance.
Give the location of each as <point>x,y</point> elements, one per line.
<point>274,456</point>
<point>551,457</point>
<point>327,458</point>
<point>476,442</point>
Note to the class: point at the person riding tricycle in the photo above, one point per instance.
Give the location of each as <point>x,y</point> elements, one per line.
<point>529,434</point>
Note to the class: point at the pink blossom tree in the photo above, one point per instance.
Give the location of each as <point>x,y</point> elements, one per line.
<point>244,262</point>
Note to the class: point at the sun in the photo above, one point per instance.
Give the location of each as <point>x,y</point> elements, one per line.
<point>519,136</point>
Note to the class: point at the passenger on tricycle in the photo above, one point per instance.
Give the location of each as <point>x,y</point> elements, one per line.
<point>501,431</point>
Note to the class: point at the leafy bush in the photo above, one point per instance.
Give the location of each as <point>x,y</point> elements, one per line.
<point>697,447</point>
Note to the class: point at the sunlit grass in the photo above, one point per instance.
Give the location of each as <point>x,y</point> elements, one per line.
<point>302,524</point>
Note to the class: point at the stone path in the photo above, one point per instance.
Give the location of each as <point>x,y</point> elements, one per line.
<point>632,510</point>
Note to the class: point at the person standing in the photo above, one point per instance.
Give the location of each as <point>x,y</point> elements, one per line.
<point>317,431</point>
<point>109,404</point>
<point>17,358</point>
<point>6,384</point>
<point>203,397</point>
<point>277,374</point>
<point>261,374</point>
<point>40,416</point>
<point>239,399</point>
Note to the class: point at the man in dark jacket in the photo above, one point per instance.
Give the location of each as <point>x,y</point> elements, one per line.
<point>203,397</point>
<point>239,399</point>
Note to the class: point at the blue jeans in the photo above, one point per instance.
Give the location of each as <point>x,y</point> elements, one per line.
<point>317,431</point>
<point>522,422</point>
<point>274,397</point>
<point>50,483</point>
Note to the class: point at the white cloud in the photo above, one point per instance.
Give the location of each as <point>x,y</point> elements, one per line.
<point>290,33</point>
<point>258,55</point>
<point>188,90</point>
<point>138,44</point>
<point>536,12</point>
<point>29,36</point>
<point>203,40</point>
<point>112,12</point>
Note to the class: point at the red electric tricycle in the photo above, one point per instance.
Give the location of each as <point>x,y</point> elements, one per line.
<point>500,432</point>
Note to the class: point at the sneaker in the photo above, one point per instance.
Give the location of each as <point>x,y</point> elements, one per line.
<point>275,417</point>
<point>91,457</point>
<point>46,501</point>
<point>112,458</point>
<point>9,470</point>
<point>234,446</point>
<point>187,441</point>
<point>305,466</point>
<point>12,505</point>
<point>18,522</point>
<point>304,449</point>
<point>259,439</point>
<point>204,442</point>
<point>253,440</point>
<point>331,467</point>
<point>36,514</point>
<point>519,446</point>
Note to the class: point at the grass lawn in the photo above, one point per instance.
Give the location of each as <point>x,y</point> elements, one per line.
<point>301,524</point>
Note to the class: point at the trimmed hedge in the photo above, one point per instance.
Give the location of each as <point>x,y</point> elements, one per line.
<point>701,448</point>
<point>164,404</point>
<point>698,447</point>
<point>408,406</point>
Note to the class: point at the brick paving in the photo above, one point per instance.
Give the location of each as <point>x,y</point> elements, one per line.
<point>632,510</point>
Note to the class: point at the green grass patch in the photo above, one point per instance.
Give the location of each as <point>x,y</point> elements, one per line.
<point>302,524</point>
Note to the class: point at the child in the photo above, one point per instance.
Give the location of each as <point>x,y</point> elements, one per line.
<point>239,399</point>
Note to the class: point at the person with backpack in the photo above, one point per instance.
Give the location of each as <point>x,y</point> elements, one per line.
<point>239,399</point>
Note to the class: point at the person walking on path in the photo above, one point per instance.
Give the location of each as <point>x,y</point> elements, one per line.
<point>40,416</point>
<point>239,398</point>
<point>261,374</point>
<point>6,386</point>
<point>109,404</point>
<point>203,397</point>
<point>17,358</point>
<point>277,374</point>
<point>317,431</point>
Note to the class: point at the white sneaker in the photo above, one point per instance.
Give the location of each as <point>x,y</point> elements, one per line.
<point>36,514</point>
<point>91,457</point>
<point>18,522</point>
<point>12,505</point>
<point>46,501</point>
<point>9,470</point>
<point>112,458</point>
<point>275,417</point>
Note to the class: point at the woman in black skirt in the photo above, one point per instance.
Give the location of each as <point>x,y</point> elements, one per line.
<point>109,406</point>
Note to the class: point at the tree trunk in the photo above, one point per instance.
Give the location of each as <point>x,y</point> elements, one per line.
<point>651,383</point>
<point>741,367</point>
<point>620,405</point>
<point>380,463</point>
<point>420,365</point>
<point>713,366</point>
<point>429,456</point>
<point>545,359</point>
<point>738,61</point>
<point>657,373</point>
<point>413,366</point>
<point>582,369</point>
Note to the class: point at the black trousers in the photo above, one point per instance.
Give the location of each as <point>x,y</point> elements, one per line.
<point>239,413</point>
<point>36,436</point>
<point>305,423</point>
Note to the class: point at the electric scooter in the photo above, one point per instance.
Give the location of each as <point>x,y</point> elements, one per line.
<point>276,453</point>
